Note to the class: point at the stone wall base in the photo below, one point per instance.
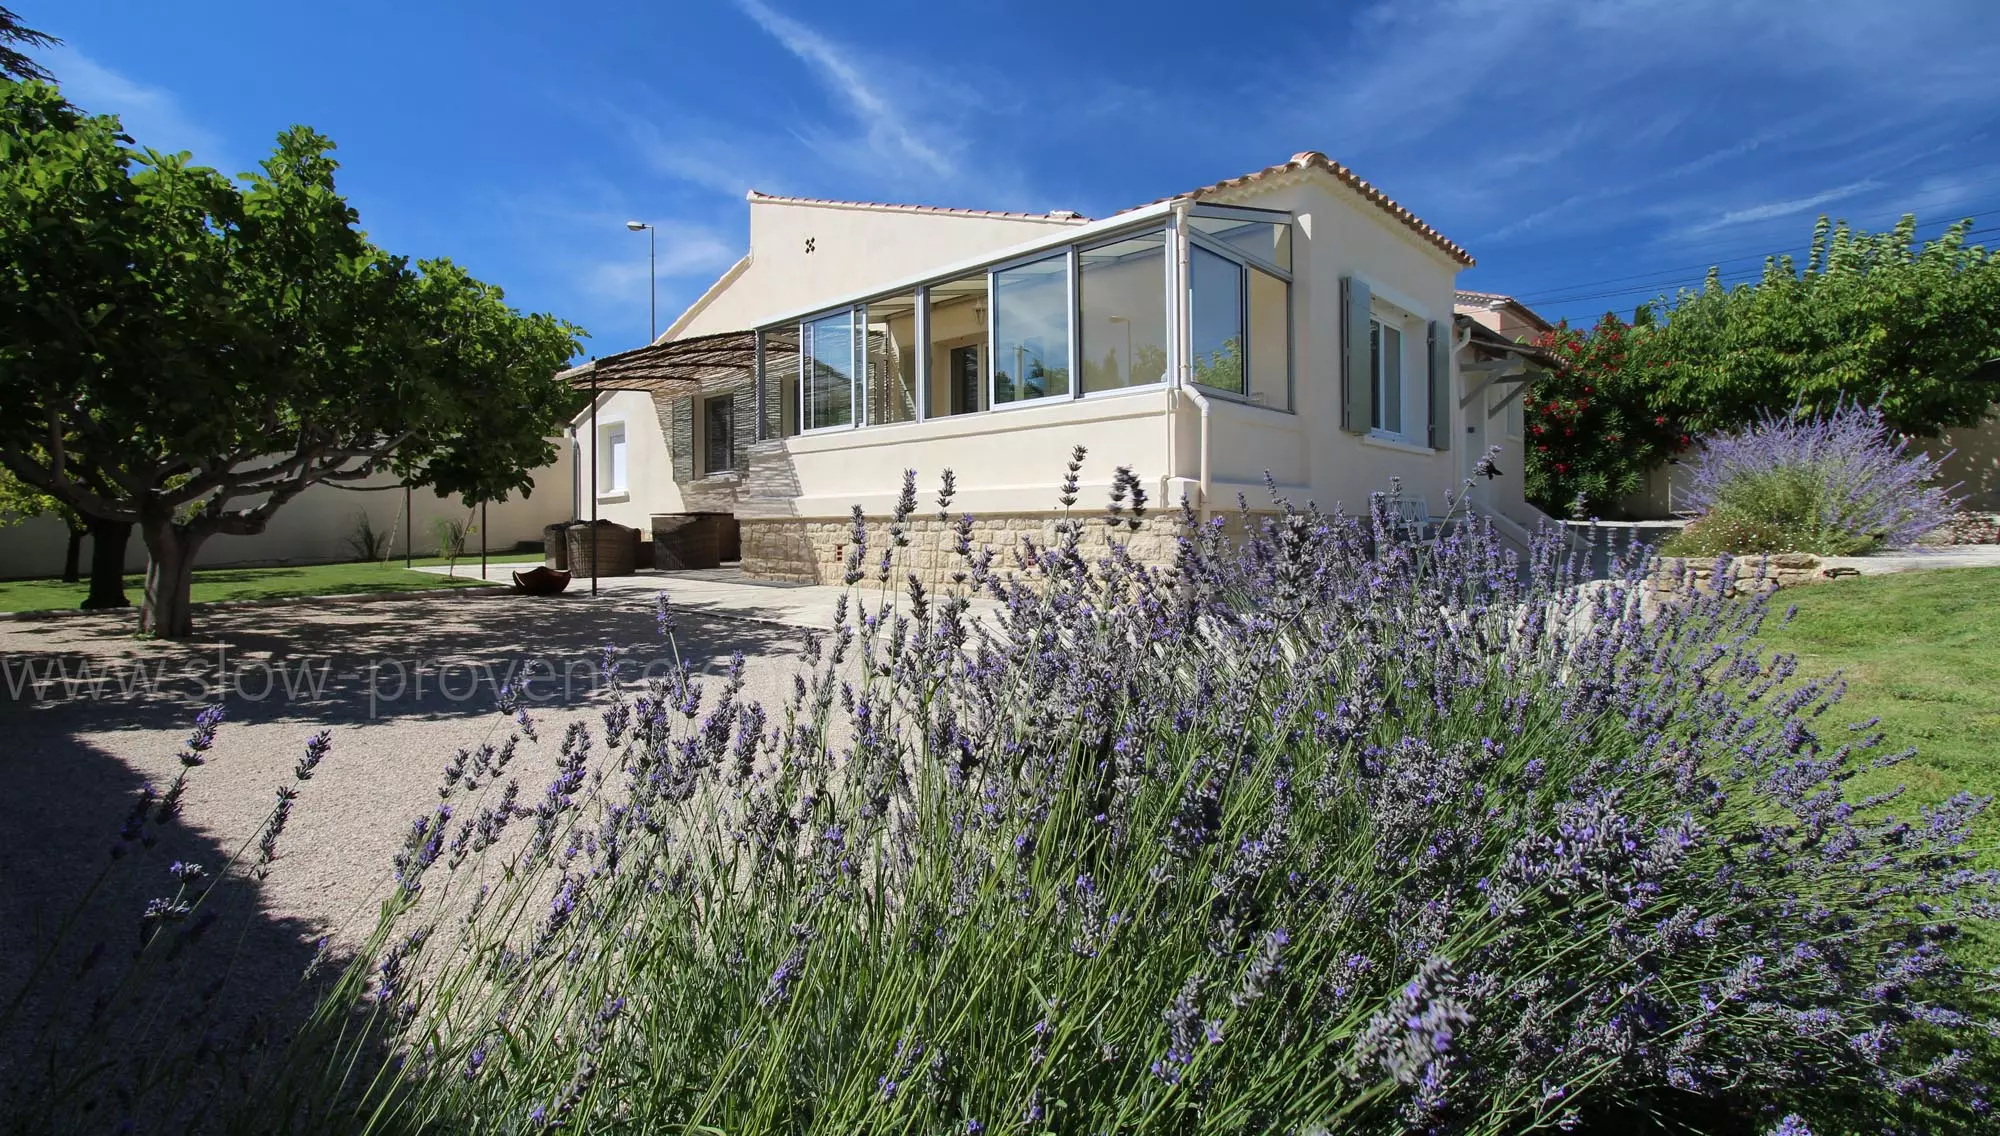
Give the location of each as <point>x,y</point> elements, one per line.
<point>1747,574</point>
<point>814,550</point>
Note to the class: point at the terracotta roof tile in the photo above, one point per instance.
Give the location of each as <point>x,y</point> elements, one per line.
<point>1304,160</point>
<point>1494,301</point>
<point>1314,160</point>
<point>1063,215</point>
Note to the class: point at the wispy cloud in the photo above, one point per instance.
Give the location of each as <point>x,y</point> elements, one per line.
<point>1549,118</point>
<point>1786,208</point>
<point>151,115</point>
<point>888,130</point>
<point>702,154</point>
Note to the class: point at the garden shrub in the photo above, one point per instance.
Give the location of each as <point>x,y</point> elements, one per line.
<point>1835,484</point>
<point>1327,831</point>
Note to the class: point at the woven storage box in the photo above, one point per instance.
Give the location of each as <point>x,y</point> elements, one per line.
<point>685,540</point>
<point>555,546</point>
<point>611,553</point>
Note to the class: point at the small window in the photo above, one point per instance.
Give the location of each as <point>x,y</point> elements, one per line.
<point>611,459</point>
<point>1267,241</point>
<point>718,435</point>
<point>1385,348</point>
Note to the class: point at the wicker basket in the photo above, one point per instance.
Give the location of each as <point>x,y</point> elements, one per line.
<point>611,553</point>
<point>684,541</point>
<point>555,546</point>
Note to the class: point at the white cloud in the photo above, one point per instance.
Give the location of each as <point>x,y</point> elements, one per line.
<point>889,134</point>
<point>1552,116</point>
<point>153,116</point>
<point>1786,208</point>
<point>684,250</point>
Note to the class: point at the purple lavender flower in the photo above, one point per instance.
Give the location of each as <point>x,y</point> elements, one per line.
<point>1842,474</point>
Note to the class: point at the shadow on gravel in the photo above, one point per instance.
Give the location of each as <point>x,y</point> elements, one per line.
<point>97,1035</point>
<point>90,714</point>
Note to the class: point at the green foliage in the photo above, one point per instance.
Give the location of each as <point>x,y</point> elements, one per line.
<point>14,64</point>
<point>364,541</point>
<point>451,534</point>
<point>1870,316</point>
<point>1222,369</point>
<point>1777,511</point>
<point>188,353</point>
<point>1592,433</point>
<point>19,502</point>
<point>229,585</point>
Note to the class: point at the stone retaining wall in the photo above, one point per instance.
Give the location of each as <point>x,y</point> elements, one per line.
<point>1747,574</point>
<point>814,551</point>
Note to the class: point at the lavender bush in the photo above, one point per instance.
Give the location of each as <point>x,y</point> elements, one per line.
<point>1838,483</point>
<point>1325,830</point>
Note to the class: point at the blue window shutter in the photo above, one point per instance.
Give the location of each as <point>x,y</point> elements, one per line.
<point>1440,399</point>
<point>1357,371</point>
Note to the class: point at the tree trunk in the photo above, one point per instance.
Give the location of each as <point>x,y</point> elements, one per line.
<point>107,564</point>
<point>170,551</point>
<point>73,553</point>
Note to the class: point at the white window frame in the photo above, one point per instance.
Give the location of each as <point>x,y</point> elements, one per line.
<point>857,387</point>
<point>612,451</point>
<point>1245,262</point>
<point>1411,394</point>
<point>992,360</point>
<point>1152,218</point>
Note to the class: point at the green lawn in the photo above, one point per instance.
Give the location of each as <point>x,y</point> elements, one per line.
<point>249,584</point>
<point>1921,650</point>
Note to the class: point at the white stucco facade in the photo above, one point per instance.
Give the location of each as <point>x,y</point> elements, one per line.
<point>1181,437</point>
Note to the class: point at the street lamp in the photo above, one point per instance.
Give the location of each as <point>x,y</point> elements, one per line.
<point>652,276</point>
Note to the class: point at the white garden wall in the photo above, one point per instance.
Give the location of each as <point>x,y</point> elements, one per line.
<point>314,528</point>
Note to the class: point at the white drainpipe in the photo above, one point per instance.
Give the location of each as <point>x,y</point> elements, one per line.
<point>1201,402</point>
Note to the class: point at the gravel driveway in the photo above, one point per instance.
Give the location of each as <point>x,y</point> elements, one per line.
<point>90,714</point>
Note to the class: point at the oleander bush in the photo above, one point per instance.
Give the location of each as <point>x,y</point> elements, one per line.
<point>1834,484</point>
<point>1324,830</point>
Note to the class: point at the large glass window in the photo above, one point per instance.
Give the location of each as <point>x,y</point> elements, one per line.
<point>892,359</point>
<point>1216,284</point>
<point>1122,298</point>
<point>1268,241</point>
<point>958,345</point>
<point>1270,340</point>
<point>1241,312</point>
<point>1031,310</point>
<point>826,349</point>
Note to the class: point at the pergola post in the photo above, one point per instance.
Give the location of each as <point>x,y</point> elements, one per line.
<point>595,459</point>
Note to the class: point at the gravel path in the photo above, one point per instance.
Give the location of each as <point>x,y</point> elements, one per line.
<point>90,714</point>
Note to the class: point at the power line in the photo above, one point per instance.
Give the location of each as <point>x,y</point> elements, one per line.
<point>1917,201</point>
<point>1658,287</point>
<point>1704,265</point>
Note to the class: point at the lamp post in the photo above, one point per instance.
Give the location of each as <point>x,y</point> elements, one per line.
<point>652,276</point>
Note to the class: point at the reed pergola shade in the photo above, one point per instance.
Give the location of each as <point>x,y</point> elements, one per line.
<point>679,367</point>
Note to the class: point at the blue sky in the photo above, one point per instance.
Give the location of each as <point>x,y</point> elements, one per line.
<point>1589,154</point>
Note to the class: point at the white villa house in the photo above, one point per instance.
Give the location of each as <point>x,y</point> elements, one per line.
<point>1294,321</point>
